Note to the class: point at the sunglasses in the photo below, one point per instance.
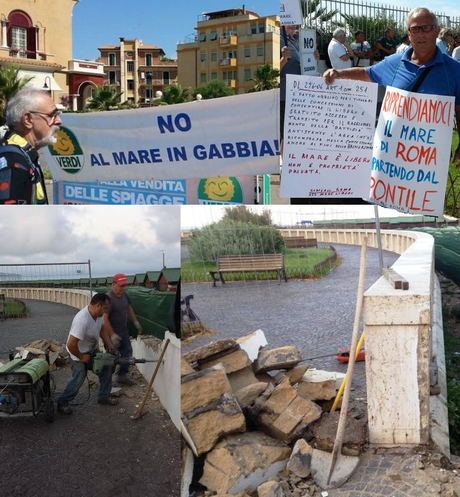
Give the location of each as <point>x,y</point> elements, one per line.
<point>426,29</point>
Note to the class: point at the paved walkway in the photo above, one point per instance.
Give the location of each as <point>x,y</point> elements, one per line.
<point>99,451</point>
<point>315,315</point>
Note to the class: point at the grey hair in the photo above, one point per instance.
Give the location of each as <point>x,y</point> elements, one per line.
<point>422,10</point>
<point>339,32</point>
<point>22,101</point>
<point>442,34</point>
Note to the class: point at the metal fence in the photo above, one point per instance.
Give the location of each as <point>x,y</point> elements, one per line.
<point>372,18</point>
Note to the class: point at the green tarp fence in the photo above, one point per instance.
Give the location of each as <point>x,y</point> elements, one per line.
<point>154,309</point>
<point>447,250</point>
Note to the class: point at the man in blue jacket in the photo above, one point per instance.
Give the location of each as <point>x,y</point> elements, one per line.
<point>422,65</point>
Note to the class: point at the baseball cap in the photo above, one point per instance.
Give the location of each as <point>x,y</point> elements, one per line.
<point>120,279</point>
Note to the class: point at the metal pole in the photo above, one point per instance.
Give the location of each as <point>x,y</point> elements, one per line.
<point>379,237</point>
<point>90,279</point>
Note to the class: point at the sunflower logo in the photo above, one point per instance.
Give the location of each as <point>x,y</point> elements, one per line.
<point>67,152</point>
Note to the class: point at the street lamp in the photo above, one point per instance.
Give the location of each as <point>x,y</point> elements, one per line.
<point>45,85</point>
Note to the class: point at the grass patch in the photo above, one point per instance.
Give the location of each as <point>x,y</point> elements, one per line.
<point>452,203</point>
<point>451,315</point>
<point>299,264</point>
<point>15,309</point>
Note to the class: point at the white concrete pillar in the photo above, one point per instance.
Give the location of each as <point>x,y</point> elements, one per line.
<point>4,31</point>
<point>397,326</point>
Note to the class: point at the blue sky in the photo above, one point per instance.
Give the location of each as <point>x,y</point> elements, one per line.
<point>103,22</point>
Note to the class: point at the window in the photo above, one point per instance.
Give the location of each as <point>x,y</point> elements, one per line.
<point>148,93</point>
<point>203,77</point>
<point>202,57</point>
<point>112,59</point>
<point>130,66</point>
<point>247,52</point>
<point>261,28</point>
<point>21,35</point>
<point>253,29</point>
<point>112,77</point>
<point>213,75</point>
<point>213,35</point>
<point>202,36</point>
<point>232,55</point>
<point>130,84</point>
<point>213,56</point>
<point>260,51</point>
<point>148,78</point>
<point>247,74</point>
<point>148,59</point>
<point>166,77</point>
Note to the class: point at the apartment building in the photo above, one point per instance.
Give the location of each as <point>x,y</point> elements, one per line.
<point>138,70</point>
<point>37,44</point>
<point>229,45</point>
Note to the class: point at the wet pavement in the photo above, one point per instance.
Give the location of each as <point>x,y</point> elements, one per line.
<point>315,315</point>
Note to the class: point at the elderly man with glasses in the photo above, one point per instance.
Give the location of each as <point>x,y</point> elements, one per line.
<point>33,122</point>
<point>115,323</point>
<point>423,68</point>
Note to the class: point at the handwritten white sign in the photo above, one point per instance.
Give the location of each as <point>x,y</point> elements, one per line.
<point>290,13</point>
<point>328,138</point>
<point>412,151</point>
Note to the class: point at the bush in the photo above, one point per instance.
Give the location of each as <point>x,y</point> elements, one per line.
<point>233,238</point>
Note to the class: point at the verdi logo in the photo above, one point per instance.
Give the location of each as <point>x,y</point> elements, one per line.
<point>67,151</point>
<point>220,191</point>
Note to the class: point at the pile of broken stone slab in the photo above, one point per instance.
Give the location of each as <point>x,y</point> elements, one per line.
<point>38,349</point>
<point>246,428</point>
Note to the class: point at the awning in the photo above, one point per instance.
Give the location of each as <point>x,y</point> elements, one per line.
<point>39,78</point>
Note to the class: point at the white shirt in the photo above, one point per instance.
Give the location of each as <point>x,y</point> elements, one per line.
<point>335,51</point>
<point>402,48</point>
<point>87,330</point>
<point>360,47</point>
<point>456,53</point>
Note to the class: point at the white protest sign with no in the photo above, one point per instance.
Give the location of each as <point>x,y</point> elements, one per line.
<point>290,13</point>
<point>230,136</point>
<point>307,47</point>
<point>412,152</point>
<point>328,137</point>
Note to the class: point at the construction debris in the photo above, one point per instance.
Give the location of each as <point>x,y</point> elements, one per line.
<point>39,348</point>
<point>246,413</point>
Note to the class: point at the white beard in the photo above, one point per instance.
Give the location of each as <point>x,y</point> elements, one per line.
<point>50,139</point>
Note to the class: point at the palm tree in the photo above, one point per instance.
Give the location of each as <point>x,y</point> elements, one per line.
<point>10,83</point>
<point>265,78</point>
<point>174,94</point>
<point>315,15</point>
<point>105,98</point>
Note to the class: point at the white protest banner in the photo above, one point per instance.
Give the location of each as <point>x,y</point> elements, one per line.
<point>230,136</point>
<point>328,137</point>
<point>412,151</point>
<point>290,13</point>
<point>307,47</point>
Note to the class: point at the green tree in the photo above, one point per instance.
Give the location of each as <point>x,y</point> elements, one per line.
<point>233,238</point>
<point>10,83</point>
<point>175,94</point>
<point>214,89</point>
<point>106,98</point>
<point>373,27</point>
<point>241,213</point>
<point>265,78</point>
<point>316,16</point>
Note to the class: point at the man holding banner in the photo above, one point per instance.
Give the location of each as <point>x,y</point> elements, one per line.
<point>422,68</point>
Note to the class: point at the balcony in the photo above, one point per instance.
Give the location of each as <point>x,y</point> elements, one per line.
<point>150,82</point>
<point>228,62</point>
<point>228,40</point>
<point>231,83</point>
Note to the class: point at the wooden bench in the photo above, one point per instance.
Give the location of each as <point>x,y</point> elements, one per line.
<point>254,263</point>
<point>300,242</point>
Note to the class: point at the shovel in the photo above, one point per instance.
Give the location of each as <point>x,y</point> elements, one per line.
<point>333,470</point>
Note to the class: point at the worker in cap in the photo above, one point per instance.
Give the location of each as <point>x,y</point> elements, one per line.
<point>116,323</point>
